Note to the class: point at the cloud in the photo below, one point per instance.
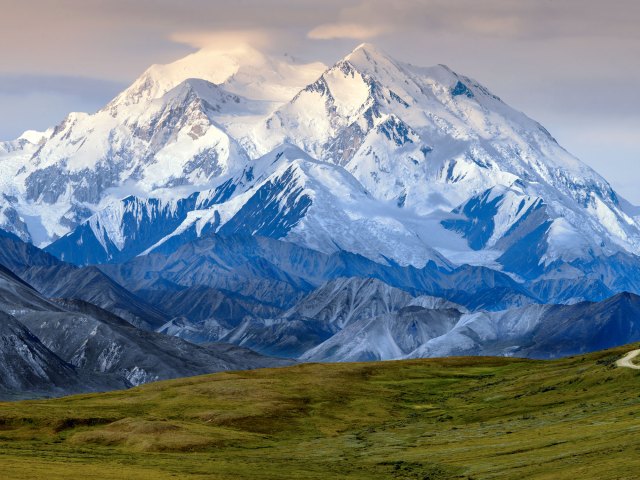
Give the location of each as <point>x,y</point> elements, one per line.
<point>531,19</point>
<point>330,31</point>
<point>505,26</point>
<point>225,39</point>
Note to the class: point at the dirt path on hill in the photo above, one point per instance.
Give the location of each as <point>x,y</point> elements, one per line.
<point>627,360</point>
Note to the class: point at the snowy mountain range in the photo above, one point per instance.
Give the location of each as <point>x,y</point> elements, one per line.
<point>367,209</point>
<point>423,163</point>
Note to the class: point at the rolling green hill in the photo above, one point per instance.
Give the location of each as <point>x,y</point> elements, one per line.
<point>460,418</point>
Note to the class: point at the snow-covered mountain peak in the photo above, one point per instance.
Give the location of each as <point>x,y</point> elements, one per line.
<point>210,65</point>
<point>367,46</point>
<point>406,80</point>
<point>243,70</point>
<point>216,100</point>
<point>367,53</point>
<point>36,137</point>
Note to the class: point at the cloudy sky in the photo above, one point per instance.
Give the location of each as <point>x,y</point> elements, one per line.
<point>571,64</point>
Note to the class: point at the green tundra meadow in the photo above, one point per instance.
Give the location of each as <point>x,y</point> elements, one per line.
<point>453,418</point>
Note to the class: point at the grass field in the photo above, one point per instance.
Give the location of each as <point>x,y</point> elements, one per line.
<point>464,418</point>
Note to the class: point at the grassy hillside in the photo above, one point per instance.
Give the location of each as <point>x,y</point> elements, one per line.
<point>465,418</point>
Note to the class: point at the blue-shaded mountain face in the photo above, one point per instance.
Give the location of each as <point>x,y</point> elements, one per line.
<point>141,222</point>
<point>54,278</point>
<point>63,345</point>
<point>534,331</point>
<point>280,300</point>
<point>479,222</point>
<point>280,273</point>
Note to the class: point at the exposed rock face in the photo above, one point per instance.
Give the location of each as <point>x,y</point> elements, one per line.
<point>72,346</point>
